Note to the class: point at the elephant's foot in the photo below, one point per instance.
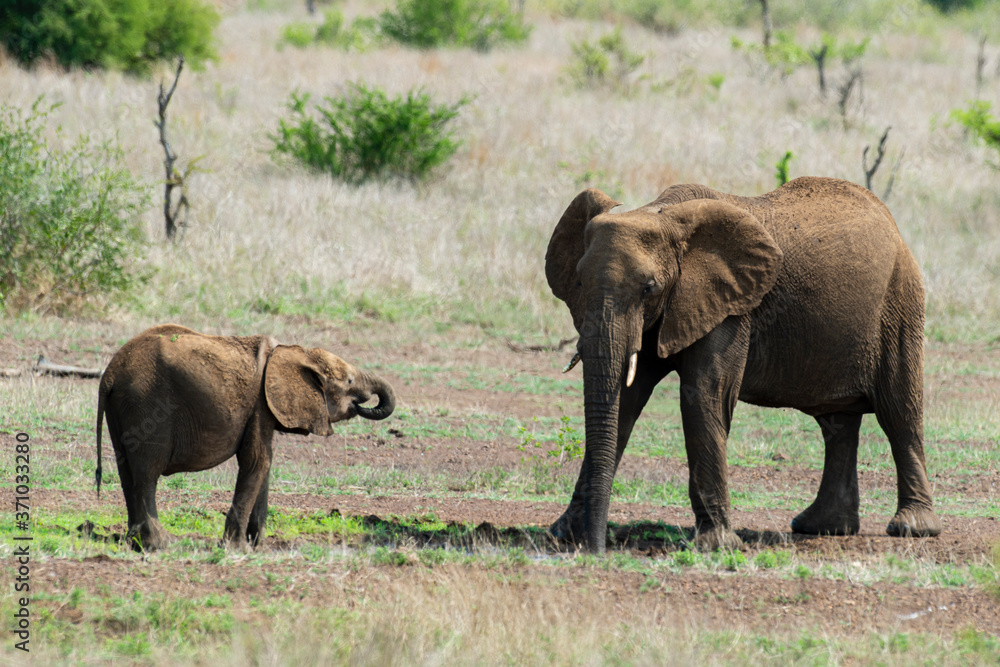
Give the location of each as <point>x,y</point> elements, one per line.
<point>569,527</point>
<point>254,536</point>
<point>821,519</point>
<point>715,538</point>
<point>914,522</point>
<point>148,536</point>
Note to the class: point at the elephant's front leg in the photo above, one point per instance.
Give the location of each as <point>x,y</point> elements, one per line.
<point>569,526</point>
<point>258,516</point>
<point>711,372</point>
<point>254,467</point>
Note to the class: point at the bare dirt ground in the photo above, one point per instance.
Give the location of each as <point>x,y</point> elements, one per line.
<point>753,600</point>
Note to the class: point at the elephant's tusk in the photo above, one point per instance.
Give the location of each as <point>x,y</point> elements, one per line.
<point>572,363</point>
<point>631,369</point>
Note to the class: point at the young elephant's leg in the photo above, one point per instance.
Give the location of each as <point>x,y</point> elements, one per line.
<point>146,526</point>
<point>835,510</point>
<point>254,459</point>
<point>128,488</point>
<point>258,516</point>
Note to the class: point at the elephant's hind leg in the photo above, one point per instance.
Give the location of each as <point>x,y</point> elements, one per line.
<point>899,405</point>
<point>152,535</point>
<point>915,516</point>
<point>835,510</point>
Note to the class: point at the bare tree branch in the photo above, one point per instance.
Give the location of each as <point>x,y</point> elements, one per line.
<point>174,179</point>
<point>541,348</point>
<point>869,173</point>
<point>880,153</point>
<point>980,65</point>
<point>819,57</point>
<point>854,79</point>
<point>765,10</point>
<point>44,366</point>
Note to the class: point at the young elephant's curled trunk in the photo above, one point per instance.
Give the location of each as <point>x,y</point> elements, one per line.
<point>386,398</point>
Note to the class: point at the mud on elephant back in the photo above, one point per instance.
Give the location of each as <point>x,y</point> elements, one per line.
<point>805,297</point>
<point>180,401</point>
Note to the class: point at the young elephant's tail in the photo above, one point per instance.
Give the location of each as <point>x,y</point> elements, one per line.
<point>102,396</point>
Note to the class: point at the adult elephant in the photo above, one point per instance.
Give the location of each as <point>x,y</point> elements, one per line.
<point>806,297</point>
<point>180,401</point>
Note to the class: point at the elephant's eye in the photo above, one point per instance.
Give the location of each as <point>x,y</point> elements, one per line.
<point>350,380</point>
<point>649,288</point>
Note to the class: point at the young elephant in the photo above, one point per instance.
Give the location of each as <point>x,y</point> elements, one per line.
<point>180,401</point>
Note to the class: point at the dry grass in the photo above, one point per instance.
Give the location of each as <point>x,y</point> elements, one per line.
<point>262,233</point>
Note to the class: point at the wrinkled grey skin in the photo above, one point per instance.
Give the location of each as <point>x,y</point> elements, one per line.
<point>180,401</point>
<point>805,297</point>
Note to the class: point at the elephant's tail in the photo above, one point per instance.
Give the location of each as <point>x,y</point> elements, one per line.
<point>102,396</point>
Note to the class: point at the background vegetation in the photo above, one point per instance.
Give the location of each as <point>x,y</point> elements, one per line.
<point>123,34</point>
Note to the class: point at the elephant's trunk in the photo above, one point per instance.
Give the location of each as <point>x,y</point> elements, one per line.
<point>386,397</point>
<point>603,349</point>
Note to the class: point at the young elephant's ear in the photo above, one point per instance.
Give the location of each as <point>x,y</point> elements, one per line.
<point>566,247</point>
<point>727,263</point>
<point>294,387</point>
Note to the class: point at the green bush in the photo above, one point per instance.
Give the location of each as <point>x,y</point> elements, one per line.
<point>118,34</point>
<point>365,135</point>
<point>979,120</point>
<point>607,61</point>
<point>69,225</point>
<point>360,35</point>
<point>946,6</point>
<point>781,168</point>
<point>480,24</point>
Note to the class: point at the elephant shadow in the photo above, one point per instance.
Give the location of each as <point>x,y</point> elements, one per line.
<point>654,539</point>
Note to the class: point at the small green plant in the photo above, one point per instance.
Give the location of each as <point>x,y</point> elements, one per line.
<point>361,35</point>
<point>69,227</point>
<point>802,572</point>
<point>546,461</point>
<point>786,55</point>
<point>767,560</point>
<point>569,444</point>
<point>781,168</point>
<point>479,24</point>
<point>366,135</point>
<point>716,80</point>
<point>131,35</point>
<point>733,560</point>
<point>979,120</point>
<point>685,558</point>
<point>606,62</point>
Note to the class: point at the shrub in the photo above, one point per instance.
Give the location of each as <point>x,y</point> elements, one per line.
<point>118,34</point>
<point>68,220</point>
<point>946,6</point>
<point>781,168</point>
<point>604,62</point>
<point>480,24</point>
<point>360,35</point>
<point>979,120</point>
<point>365,135</point>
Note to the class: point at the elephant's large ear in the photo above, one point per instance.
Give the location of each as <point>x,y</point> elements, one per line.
<point>566,246</point>
<point>727,262</point>
<point>294,388</point>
